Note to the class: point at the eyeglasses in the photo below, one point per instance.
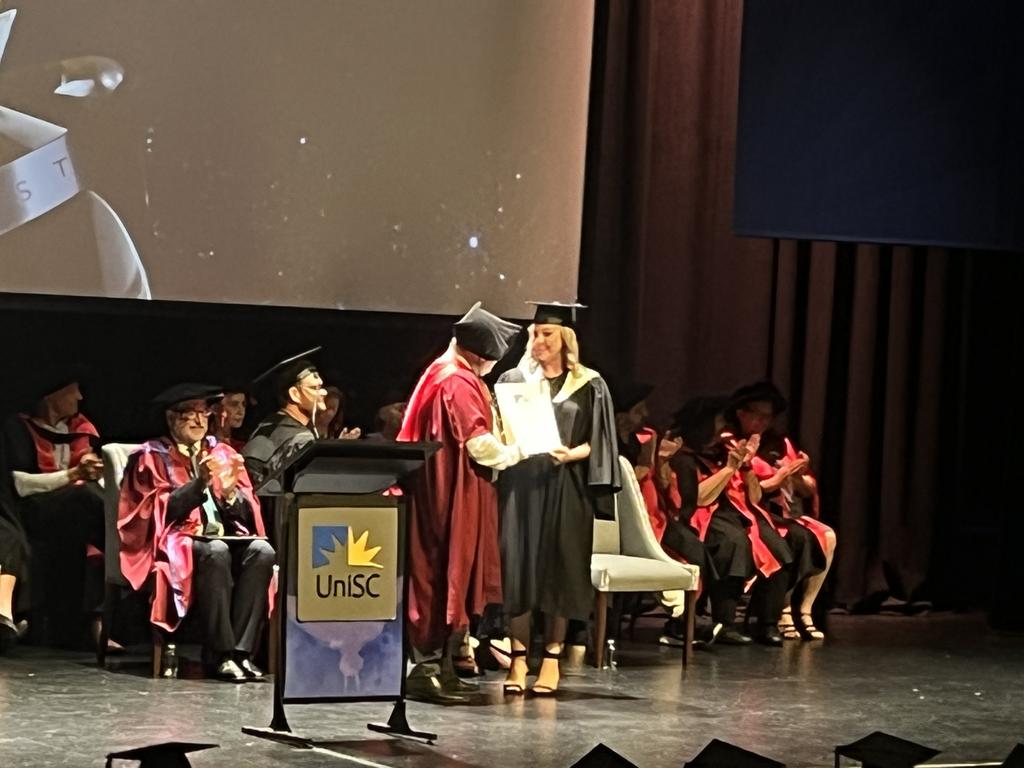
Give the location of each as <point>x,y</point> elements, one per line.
<point>193,415</point>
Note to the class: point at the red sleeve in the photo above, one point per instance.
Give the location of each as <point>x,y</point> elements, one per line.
<point>762,468</point>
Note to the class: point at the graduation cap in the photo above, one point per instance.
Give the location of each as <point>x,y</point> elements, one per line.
<point>183,393</point>
<point>719,754</point>
<point>759,392</point>
<point>555,313</point>
<point>285,374</point>
<point>603,757</point>
<point>1016,758</point>
<point>168,755</point>
<point>880,750</point>
<point>37,380</point>
<point>484,334</point>
<point>695,421</point>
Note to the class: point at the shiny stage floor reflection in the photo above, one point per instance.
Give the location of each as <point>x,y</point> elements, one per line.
<point>946,681</point>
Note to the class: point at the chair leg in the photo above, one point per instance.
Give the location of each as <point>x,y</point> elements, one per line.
<point>616,615</point>
<point>158,652</point>
<point>600,628</point>
<point>691,620</point>
<point>110,595</point>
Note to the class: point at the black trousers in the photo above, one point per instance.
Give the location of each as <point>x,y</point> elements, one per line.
<point>63,584</point>
<point>229,589</point>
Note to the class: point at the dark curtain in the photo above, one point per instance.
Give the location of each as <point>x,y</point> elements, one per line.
<point>881,349</point>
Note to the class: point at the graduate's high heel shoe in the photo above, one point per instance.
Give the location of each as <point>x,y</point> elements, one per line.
<point>811,632</point>
<point>515,683</point>
<point>547,682</point>
<point>787,627</point>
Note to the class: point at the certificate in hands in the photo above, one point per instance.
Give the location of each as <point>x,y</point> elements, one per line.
<point>527,416</point>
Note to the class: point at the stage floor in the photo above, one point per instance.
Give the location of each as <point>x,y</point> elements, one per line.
<point>943,680</point>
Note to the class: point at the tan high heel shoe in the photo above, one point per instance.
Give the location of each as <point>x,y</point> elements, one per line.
<point>545,685</point>
<point>515,683</point>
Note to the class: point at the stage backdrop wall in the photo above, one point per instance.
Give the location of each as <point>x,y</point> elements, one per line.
<point>895,359</point>
<point>886,352</point>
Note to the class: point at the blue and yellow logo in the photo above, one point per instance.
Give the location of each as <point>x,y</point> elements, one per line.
<point>328,539</point>
<point>347,569</point>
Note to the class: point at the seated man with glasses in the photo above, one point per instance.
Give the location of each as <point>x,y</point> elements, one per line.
<point>188,516</point>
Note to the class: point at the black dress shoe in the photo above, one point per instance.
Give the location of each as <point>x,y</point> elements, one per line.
<point>429,689</point>
<point>229,672</point>
<point>8,633</point>
<point>770,635</point>
<point>251,671</point>
<point>455,684</point>
<point>732,636</point>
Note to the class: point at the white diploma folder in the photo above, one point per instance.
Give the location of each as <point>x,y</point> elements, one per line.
<point>527,416</point>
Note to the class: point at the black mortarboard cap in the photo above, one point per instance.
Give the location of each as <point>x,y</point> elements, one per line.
<point>555,313</point>
<point>880,750</point>
<point>168,755</point>
<point>603,757</point>
<point>287,373</point>
<point>626,394</point>
<point>719,754</point>
<point>695,421</point>
<point>484,334</point>
<point>38,379</point>
<point>182,393</point>
<point>761,391</point>
<point>1016,758</point>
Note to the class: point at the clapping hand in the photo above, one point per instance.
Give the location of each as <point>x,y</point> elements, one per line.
<point>669,447</point>
<point>89,468</point>
<point>225,473</point>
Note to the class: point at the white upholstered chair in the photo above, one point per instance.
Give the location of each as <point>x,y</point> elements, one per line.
<point>628,558</point>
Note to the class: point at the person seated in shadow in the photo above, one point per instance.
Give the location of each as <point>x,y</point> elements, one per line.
<point>330,422</point>
<point>50,469</point>
<point>188,519</point>
<point>228,416</point>
<point>791,497</point>
<point>650,453</point>
<point>387,422</point>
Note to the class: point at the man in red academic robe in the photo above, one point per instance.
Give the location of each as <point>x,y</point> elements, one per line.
<point>454,560</point>
<point>181,494</point>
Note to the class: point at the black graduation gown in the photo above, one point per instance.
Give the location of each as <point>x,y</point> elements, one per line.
<point>548,510</point>
<point>276,439</point>
<point>55,527</point>
<point>14,549</point>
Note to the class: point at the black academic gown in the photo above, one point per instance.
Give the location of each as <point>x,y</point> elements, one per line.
<point>548,509</point>
<point>275,440</point>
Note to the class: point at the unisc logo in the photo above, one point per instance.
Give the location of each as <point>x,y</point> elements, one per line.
<point>340,562</point>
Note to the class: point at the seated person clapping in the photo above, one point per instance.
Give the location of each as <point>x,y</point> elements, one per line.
<point>182,493</point>
<point>330,422</point>
<point>50,468</point>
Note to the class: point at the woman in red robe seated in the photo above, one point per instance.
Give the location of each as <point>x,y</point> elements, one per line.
<point>791,496</point>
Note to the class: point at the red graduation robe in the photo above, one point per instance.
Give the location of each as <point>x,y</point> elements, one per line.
<point>454,559</point>
<point>149,543</point>
<point>811,522</point>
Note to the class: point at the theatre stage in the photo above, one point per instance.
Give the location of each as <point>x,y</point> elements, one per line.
<point>942,680</point>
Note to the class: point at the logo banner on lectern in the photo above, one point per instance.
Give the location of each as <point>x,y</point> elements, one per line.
<point>343,634</point>
<point>347,564</point>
